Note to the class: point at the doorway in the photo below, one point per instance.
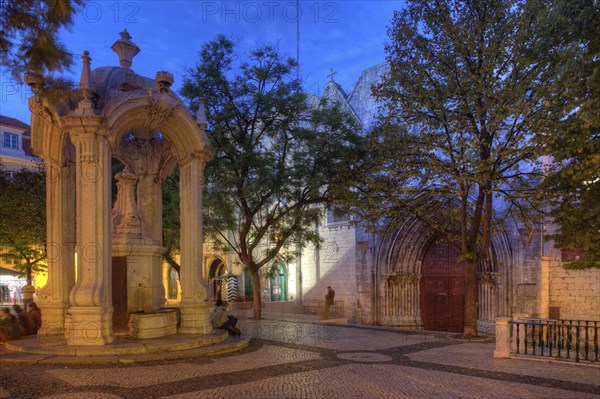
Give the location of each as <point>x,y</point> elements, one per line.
<point>443,289</point>
<point>216,270</point>
<point>119,295</point>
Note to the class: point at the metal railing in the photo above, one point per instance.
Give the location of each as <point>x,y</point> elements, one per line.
<point>317,306</point>
<point>559,339</point>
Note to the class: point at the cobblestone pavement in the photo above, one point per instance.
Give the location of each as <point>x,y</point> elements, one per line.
<point>292,359</point>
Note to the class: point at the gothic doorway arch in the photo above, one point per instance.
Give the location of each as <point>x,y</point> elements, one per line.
<point>442,289</point>
<point>216,270</point>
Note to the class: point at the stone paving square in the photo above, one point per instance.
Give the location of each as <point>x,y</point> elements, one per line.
<point>299,359</point>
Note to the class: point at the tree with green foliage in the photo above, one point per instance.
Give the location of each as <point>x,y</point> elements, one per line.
<point>453,146</point>
<point>29,36</point>
<point>569,47</point>
<point>23,219</point>
<point>171,222</point>
<point>274,155</point>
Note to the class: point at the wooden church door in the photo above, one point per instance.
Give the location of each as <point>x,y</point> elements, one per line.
<point>443,289</point>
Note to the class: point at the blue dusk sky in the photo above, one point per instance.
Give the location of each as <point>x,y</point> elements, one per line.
<point>347,36</point>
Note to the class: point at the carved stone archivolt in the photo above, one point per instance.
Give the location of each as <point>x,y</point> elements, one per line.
<point>403,279</point>
<point>160,108</point>
<point>489,278</point>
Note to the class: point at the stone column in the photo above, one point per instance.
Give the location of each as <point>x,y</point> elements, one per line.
<point>545,288</point>
<point>53,297</point>
<point>402,300</point>
<point>298,301</point>
<point>194,293</point>
<point>415,298</point>
<point>487,293</point>
<point>89,319</point>
<point>502,337</point>
<point>125,219</point>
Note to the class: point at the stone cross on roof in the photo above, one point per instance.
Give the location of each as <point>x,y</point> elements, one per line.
<point>330,76</point>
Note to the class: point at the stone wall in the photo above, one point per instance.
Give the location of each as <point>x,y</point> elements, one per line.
<point>333,264</point>
<point>360,99</point>
<point>525,271</point>
<point>575,292</point>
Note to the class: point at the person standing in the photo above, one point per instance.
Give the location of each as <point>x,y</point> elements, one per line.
<point>28,291</point>
<point>36,313</point>
<point>328,302</point>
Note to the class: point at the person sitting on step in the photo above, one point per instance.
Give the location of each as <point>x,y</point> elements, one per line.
<point>9,326</point>
<point>225,321</point>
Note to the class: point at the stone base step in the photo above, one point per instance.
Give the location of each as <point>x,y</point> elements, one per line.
<point>57,345</point>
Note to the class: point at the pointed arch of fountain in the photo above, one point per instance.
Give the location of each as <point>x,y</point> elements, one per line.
<point>77,139</point>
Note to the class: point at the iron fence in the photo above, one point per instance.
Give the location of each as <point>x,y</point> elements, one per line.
<point>317,306</point>
<point>559,339</point>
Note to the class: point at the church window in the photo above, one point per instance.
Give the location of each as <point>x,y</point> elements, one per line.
<point>335,215</point>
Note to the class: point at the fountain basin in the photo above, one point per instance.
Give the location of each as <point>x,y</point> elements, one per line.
<point>160,323</point>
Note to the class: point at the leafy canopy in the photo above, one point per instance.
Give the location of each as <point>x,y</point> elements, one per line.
<point>23,219</point>
<point>457,120</point>
<point>454,149</point>
<point>29,37</point>
<point>569,47</point>
<point>275,155</point>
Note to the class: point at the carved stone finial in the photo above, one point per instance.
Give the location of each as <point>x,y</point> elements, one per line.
<point>34,81</point>
<point>125,49</point>
<point>164,80</point>
<point>85,83</point>
<point>125,34</point>
<point>201,114</point>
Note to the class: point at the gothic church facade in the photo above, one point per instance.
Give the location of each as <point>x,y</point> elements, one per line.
<point>409,279</point>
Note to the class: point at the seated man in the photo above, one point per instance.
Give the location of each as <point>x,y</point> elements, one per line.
<point>225,321</point>
<point>26,322</point>
<point>9,326</point>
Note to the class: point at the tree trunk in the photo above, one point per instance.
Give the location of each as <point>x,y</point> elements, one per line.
<point>256,302</point>
<point>471,306</point>
<point>29,278</point>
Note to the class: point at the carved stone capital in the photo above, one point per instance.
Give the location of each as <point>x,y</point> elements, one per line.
<point>204,155</point>
<point>489,278</point>
<point>145,156</point>
<point>87,147</point>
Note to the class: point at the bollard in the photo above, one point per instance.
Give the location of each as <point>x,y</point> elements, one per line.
<point>502,337</point>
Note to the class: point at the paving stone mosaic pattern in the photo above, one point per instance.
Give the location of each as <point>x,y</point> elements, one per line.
<point>307,360</point>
